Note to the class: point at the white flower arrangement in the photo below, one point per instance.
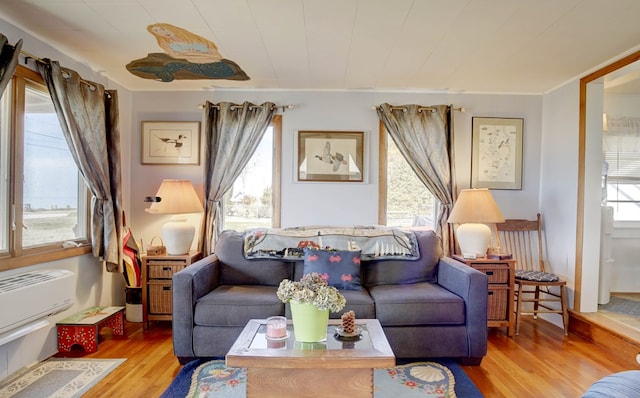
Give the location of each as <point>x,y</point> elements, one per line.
<point>312,289</point>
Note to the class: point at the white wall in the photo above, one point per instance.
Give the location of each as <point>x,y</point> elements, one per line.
<point>94,286</point>
<point>559,187</point>
<point>305,203</point>
<point>592,196</point>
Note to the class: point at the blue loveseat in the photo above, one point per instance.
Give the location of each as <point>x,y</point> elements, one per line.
<point>432,307</point>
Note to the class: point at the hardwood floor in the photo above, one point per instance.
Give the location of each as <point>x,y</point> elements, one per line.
<point>539,362</point>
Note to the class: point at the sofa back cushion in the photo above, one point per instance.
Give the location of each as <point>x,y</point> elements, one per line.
<point>394,272</point>
<point>235,269</point>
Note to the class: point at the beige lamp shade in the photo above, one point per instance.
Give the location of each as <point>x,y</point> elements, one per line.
<point>177,197</point>
<point>473,210</point>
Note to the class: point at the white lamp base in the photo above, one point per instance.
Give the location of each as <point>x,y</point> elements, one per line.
<point>473,239</point>
<point>177,235</point>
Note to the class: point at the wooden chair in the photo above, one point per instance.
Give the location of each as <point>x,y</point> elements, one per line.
<point>523,239</point>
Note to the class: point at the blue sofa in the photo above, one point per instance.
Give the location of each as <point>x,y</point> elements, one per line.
<point>433,307</point>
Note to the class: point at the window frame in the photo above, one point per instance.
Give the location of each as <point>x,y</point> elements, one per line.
<point>383,175</point>
<point>621,163</point>
<point>276,125</point>
<point>17,256</point>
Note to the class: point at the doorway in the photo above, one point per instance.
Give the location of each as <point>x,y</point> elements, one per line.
<point>593,94</point>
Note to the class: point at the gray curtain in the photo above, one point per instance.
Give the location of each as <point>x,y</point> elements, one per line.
<point>424,136</point>
<point>88,115</point>
<point>232,134</point>
<point>8,61</point>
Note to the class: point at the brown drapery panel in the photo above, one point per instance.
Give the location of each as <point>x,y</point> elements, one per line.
<point>88,115</point>
<point>424,136</point>
<point>232,134</point>
<point>8,61</point>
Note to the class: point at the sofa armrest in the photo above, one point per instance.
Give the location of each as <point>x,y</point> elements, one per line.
<point>189,284</point>
<point>473,286</point>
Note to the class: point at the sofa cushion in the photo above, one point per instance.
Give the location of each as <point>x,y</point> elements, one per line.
<point>340,268</point>
<point>394,272</point>
<point>417,304</point>
<point>235,269</point>
<point>358,301</point>
<point>235,305</point>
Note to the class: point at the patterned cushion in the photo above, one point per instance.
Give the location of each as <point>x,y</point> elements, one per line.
<point>340,268</point>
<point>537,276</point>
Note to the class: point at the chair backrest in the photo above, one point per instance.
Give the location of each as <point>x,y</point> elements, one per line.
<point>523,239</point>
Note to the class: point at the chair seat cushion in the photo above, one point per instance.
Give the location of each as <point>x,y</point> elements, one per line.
<point>536,276</point>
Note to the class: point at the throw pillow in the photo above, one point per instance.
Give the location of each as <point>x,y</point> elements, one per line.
<point>340,268</point>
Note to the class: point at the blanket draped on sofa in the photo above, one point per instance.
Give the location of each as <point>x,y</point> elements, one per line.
<point>374,242</point>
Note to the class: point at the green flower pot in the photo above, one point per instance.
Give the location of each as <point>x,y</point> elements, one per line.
<point>309,323</point>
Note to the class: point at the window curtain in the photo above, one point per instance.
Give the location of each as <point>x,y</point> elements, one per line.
<point>88,115</point>
<point>232,134</point>
<point>424,136</point>
<point>8,61</point>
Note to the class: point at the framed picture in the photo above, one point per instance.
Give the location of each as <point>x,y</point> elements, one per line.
<point>496,158</point>
<point>331,156</point>
<point>170,142</point>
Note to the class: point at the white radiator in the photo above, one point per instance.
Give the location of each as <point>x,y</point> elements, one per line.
<point>33,295</point>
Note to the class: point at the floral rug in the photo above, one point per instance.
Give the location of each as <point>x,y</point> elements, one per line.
<point>59,378</point>
<point>418,379</point>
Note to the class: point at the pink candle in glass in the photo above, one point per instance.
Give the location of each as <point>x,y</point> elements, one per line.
<point>276,327</point>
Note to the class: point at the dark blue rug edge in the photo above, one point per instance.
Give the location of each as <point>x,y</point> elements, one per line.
<point>464,387</point>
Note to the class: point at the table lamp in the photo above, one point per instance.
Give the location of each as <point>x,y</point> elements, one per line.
<point>472,211</point>
<point>177,197</point>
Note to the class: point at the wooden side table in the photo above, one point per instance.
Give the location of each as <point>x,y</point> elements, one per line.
<point>501,275</point>
<point>157,272</point>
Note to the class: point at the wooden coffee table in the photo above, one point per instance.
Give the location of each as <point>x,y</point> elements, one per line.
<point>332,368</point>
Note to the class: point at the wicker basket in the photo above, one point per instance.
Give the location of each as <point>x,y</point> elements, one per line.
<point>164,269</point>
<point>497,303</point>
<point>160,298</point>
<point>154,249</point>
<point>494,274</point>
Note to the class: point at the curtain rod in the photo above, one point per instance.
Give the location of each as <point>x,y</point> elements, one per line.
<point>28,55</point>
<point>420,109</point>
<point>66,75</point>
<point>251,107</point>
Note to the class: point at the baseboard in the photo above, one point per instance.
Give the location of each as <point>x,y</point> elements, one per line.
<point>621,341</point>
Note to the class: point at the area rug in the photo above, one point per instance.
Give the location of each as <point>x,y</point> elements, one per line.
<point>58,378</point>
<point>200,379</point>
<point>622,306</point>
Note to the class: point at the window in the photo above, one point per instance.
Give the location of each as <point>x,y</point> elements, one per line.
<point>254,199</point>
<point>44,199</point>
<point>621,167</point>
<point>404,201</point>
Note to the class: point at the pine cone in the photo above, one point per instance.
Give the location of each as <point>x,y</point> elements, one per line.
<point>349,322</point>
